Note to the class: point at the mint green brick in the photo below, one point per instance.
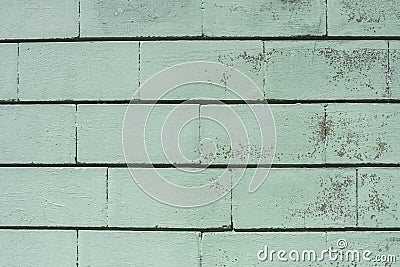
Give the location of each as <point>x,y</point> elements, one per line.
<point>39,19</point>
<point>100,134</point>
<point>127,199</point>
<point>299,134</point>
<point>78,71</point>
<point>37,248</point>
<point>384,245</point>
<point>394,69</point>
<point>245,56</point>
<point>241,249</point>
<point>362,133</point>
<point>296,198</point>
<point>53,196</point>
<point>378,197</point>
<point>8,71</point>
<point>363,18</point>
<point>37,134</point>
<point>264,18</point>
<point>326,70</point>
<point>100,18</point>
<point>117,248</point>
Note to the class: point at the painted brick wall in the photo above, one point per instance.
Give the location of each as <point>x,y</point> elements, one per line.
<point>330,71</point>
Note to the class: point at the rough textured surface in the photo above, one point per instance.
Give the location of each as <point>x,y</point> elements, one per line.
<point>103,124</point>
<point>241,249</point>
<point>246,56</point>
<point>37,134</point>
<point>53,196</point>
<point>378,201</point>
<point>346,70</point>
<point>105,18</point>
<point>394,69</point>
<point>37,248</point>
<point>362,133</point>
<point>296,198</point>
<point>8,71</point>
<point>126,202</point>
<point>78,71</point>
<point>264,18</point>
<point>99,248</point>
<point>39,19</point>
<point>363,18</point>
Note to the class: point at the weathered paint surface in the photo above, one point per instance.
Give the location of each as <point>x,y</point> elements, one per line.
<point>37,134</point>
<point>394,69</point>
<point>363,18</point>
<point>126,202</point>
<point>8,71</point>
<point>118,248</point>
<point>246,56</point>
<point>104,18</point>
<point>264,18</point>
<point>296,198</point>
<point>378,197</point>
<point>241,249</point>
<point>39,19</point>
<point>53,196</point>
<point>362,133</point>
<point>78,71</point>
<point>326,70</point>
<point>38,248</point>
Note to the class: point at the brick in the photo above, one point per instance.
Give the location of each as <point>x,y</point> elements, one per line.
<point>103,124</point>
<point>378,201</point>
<point>126,201</point>
<point>362,133</point>
<point>117,248</point>
<point>305,147</point>
<point>394,69</point>
<point>264,18</point>
<point>381,244</point>
<point>363,18</point>
<point>78,71</point>
<point>39,19</point>
<point>326,70</point>
<point>296,198</point>
<point>53,196</point>
<point>245,56</point>
<point>37,134</point>
<point>37,248</point>
<point>241,249</point>
<point>8,71</point>
<point>100,18</point>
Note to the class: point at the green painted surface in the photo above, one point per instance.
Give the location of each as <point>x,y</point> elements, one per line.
<point>104,18</point>
<point>363,18</point>
<point>296,198</point>
<point>246,56</point>
<point>394,69</point>
<point>39,19</point>
<point>78,71</point>
<point>264,18</point>
<point>378,197</point>
<point>118,248</point>
<point>53,196</point>
<point>100,134</point>
<point>241,249</point>
<point>362,133</point>
<point>37,134</point>
<point>326,70</point>
<point>8,71</point>
<point>37,248</point>
<point>127,202</point>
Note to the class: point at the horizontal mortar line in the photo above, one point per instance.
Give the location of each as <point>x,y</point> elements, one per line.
<point>203,38</point>
<point>203,230</point>
<point>200,102</point>
<point>213,166</point>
